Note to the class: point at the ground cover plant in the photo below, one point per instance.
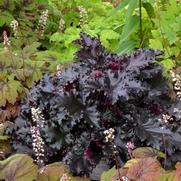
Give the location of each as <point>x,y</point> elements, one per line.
<point>23,60</point>
<point>66,116</point>
<point>153,24</point>
<point>103,106</point>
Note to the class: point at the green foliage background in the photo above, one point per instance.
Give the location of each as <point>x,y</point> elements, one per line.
<point>132,24</point>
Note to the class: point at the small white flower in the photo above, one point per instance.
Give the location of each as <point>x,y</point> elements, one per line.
<point>176,110</point>
<point>37,117</point>
<point>109,135</point>
<point>43,169</point>
<point>38,145</point>
<point>42,21</point>
<point>166,118</point>
<point>83,16</point>
<point>162,127</point>
<point>176,79</point>
<point>14,25</point>
<point>61,25</point>
<point>124,178</point>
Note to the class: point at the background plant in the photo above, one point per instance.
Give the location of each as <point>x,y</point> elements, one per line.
<point>19,69</point>
<point>152,24</point>
<point>132,24</point>
<point>166,33</point>
<point>23,56</point>
<point>93,21</point>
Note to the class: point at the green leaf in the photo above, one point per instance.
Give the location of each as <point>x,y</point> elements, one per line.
<point>55,172</point>
<point>129,28</point>
<point>126,47</point>
<point>57,37</point>
<point>167,64</point>
<point>144,152</point>
<point>121,6</point>
<point>175,50</point>
<point>48,56</point>
<point>29,50</point>
<point>168,176</point>
<point>169,33</point>
<point>146,169</point>
<point>107,35</point>
<point>11,90</point>
<point>174,6</point>
<point>42,1</point>
<point>129,163</point>
<point>70,35</point>
<point>107,175</point>
<point>18,167</point>
<point>23,73</point>
<point>131,21</point>
<point>5,18</point>
<point>132,6</point>
<point>4,138</point>
<point>156,44</point>
<point>2,99</point>
<point>149,9</point>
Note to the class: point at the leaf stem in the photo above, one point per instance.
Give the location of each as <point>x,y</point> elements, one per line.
<point>116,161</point>
<point>165,149</point>
<point>140,17</point>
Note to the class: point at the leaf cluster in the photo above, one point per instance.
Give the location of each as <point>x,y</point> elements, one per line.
<point>143,167</point>
<point>153,24</point>
<point>165,35</point>
<point>19,69</point>
<point>97,24</point>
<point>101,90</point>
<point>25,60</point>
<point>20,167</point>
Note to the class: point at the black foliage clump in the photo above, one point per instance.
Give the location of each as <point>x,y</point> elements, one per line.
<point>101,91</point>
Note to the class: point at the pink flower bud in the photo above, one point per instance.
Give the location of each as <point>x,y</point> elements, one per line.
<point>130,145</point>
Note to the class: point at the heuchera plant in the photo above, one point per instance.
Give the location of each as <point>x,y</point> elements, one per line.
<point>100,91</point>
